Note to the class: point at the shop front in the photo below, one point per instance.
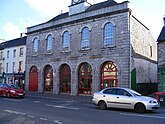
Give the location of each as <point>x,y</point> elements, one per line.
<point>15,78</point>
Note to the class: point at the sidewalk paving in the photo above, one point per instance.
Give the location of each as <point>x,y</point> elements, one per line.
<point>59,97</point>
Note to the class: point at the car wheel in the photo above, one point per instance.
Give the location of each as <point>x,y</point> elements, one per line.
<point>102,105</point>
<point>8,94</point>
<point>140,108</point>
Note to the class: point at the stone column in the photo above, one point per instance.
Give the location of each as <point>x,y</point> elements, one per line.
<point>74,83</point>
<point>56,82</point>
<point>40,81</point>
<point>95,80</point>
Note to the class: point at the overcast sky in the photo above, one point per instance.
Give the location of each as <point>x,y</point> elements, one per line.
<point>17,15</point>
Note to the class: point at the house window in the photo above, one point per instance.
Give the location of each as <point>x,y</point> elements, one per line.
<point>20,66</point>
<point>85,38</point>
<point>66,41</point>
<point>13,66</point>
<point>7,67</point>
<point>49,44</point>
<point>35,46</point>
<point>14,53</point>
<point>21,52</point>
<point>108,35</point>
<point>1,68</point>
<point>1,55</point>
<point>150,51</point>
<point>8,52</point>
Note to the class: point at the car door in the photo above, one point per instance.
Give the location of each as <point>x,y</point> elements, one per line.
<point>110,97</point>
<point>0,89</point>
<point>124,99</point>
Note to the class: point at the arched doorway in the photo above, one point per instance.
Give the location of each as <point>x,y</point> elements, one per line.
<point>85,79</point>
<point>48,78</point>
<point>109,75</point>
<point>33,79</point>
<point>65,79</point>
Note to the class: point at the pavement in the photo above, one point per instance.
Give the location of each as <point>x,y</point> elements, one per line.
<point>60,97</point>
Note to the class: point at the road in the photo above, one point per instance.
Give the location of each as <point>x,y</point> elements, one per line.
<point>43,111</point>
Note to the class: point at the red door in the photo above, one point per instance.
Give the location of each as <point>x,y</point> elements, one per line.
<point>33,79</point>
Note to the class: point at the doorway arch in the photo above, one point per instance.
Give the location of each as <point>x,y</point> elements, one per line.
<point>65,79</point>
<point>48,78</point>
<point>85,79</point>
<point>109,75</point>
<point>33,79</point>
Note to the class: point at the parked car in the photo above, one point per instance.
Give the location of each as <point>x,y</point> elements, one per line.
<point>116,97</point>
<point>11,90</point>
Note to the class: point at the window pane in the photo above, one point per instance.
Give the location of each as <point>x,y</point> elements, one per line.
<point>85,38</point>
<point>35,45</point>
<point>21,52</point>
<point>66,40</point>
<point>108,35</point>
<point>49,43</point>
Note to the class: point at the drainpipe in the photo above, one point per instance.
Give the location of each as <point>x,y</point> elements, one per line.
<point>130,47</point>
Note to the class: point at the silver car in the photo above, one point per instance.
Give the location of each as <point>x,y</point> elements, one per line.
<point>116,97</point>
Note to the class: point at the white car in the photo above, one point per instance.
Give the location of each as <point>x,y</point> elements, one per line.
<point>116,97</point>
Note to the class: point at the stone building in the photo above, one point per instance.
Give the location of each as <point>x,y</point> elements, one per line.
<point>89,48</point>
<point>161,59</point>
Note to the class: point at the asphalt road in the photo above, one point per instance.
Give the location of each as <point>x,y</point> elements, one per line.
<point>43,111</point>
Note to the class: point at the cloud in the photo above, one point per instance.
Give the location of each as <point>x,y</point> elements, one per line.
<point>11,30</point>
<point>48,9</point>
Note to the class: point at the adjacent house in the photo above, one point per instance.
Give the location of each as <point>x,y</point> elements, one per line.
<point>13,54</point>
<point>2,62</point>
<point>161,59</point>
<point>89,48</point>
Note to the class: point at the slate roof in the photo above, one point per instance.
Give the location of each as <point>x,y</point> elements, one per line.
<point>107,3</point>
<point>161,37</point>
<point>13,43</point>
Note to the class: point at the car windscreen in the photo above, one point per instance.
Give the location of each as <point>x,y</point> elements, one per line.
<point>135,93</point>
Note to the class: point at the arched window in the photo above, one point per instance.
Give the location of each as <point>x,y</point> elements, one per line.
<point>48,78</point>
<point>66,41</point>
<point>49,43</point>
<point>85,38</point>
<point>109,75</point>
<point>108,35</point>
<point>65,79</point>
<point>85,79</point>
<point>35,45</point>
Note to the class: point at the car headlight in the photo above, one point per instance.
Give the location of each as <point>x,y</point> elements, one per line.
<point>12,91</point>
<point>152,101</point>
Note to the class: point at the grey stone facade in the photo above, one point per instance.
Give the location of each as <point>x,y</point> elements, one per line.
<point>130,37</point>
<point>161,59</point>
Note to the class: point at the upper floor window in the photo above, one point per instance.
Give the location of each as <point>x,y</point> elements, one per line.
<point>14,68</point>
<point>20,66</point>
<point>85,38</point>
<point>1,68</point>
<point>7,67</point>
<point>49,43</point>
<point>8,53</point>
<point>108,35</point>
<point>66,41</point>
<point>35,45</point>
<point>14,53</point>
<point>1,55</point>
<point>21,52</point>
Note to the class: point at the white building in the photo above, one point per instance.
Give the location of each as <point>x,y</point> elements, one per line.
<point>14,60</point>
